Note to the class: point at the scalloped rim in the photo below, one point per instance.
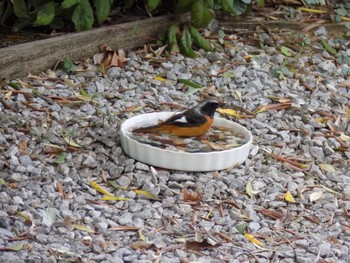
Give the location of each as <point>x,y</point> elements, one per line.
<point>182,161</point>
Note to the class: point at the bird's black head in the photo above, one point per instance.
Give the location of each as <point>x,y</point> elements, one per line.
<point>208,107</point>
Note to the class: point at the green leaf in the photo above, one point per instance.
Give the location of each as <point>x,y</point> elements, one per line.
<point>20,8</point>
<point>227,5</point>
<point>183,6</point>
<point>209,3</point>
<point>241,6</point>
<point>69,3</point>
<point>102,7</point>
<point>2,181</point>
<point>190,83</point>
<point>52,213</point>
<point>199,40</point>
<point>45,14</point>
<point>67,65</point>
<point>153,4</point>
<point>83,17</point>
<point>240,228</point>
<point>327,47</point>
<point>173,44</point>
<point>286,51</point>
<point>60,158</point>
<point>186,43</point>
<point>261,3</point>
<point>147,194</point>
<point>200,14</point>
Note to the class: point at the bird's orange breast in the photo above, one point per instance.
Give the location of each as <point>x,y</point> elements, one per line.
<point>182,131</point>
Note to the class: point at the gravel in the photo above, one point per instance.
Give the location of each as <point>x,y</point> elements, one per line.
<point>50,213</point>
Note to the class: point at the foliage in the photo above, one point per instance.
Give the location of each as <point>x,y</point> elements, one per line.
<point>84,14</point>
<point>55,14</point>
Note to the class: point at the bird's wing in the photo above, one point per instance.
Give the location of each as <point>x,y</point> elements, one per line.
<point>186,119</point>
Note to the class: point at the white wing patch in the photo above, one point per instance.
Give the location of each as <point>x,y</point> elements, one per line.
<point>182,119</point>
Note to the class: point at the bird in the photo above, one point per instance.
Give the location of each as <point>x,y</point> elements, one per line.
<point>193,122</point>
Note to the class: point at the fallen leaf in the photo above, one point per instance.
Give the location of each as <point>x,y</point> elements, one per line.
<point>112,58</point>
<point>83,228</point>
<point>344,138</point>
<point>147,194</point>
<point>288,197</point>
<point>327,167</point>
<point>114,198</point>
<point>249,190</point>
<point>124,228</point>
<point>71,142</point>
<point>100,189</point>
<point>191,196</point>
<point>283,159</point>
<point>253,240</point>
<point>271,213</point>
<point>7,95</point>
<point>241,228</point>
<point>315,196</point>
<point>141,245</point>
<point>196,246</point>
<point>230,112</point>
<point>61,158</point>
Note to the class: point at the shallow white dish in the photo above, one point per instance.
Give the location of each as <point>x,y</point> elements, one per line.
<point>206,161</point>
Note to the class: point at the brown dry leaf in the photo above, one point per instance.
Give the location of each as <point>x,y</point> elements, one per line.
<point>13,185</point>
<point>196,246</point>
<point>191,196</point>
<point>112,58</point>
<point>60,189</point>
<point>278,106</point>
<point>124,228</point>
<point>313,219</point>
<point>271,213</point>
<point>280,99</point>
<point>22,146</point>
<point>141,245</point>
<point>293,163</point>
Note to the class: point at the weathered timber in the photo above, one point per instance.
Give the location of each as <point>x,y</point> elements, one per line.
<point>34,57</point>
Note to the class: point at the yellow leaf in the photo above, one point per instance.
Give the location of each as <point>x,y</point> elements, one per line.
<point>70,142</point>
<point>289,198</point>
<point>8,95</point>
<point>229,112</point>
<point>83,228</point>
<point>321,120</point>
<point>253,240</point>
<point>100,189</point>
<point>114,198</point>
<point>347,114</point>
<point>162,79</point>
<point>147,194</point>
<point>309,10</point>
<point>23,215</point>
<point>344,137</point>
<point>327,167</point>
<point>261,109</point>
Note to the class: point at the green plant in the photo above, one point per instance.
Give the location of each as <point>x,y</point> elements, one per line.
<point>54,13</point>
<point>181,37</point>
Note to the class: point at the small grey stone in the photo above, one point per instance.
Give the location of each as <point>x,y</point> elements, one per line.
<point>181,177</point>
<point>141,166</point>
<point>18,200</point>
<point>321,31</point>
